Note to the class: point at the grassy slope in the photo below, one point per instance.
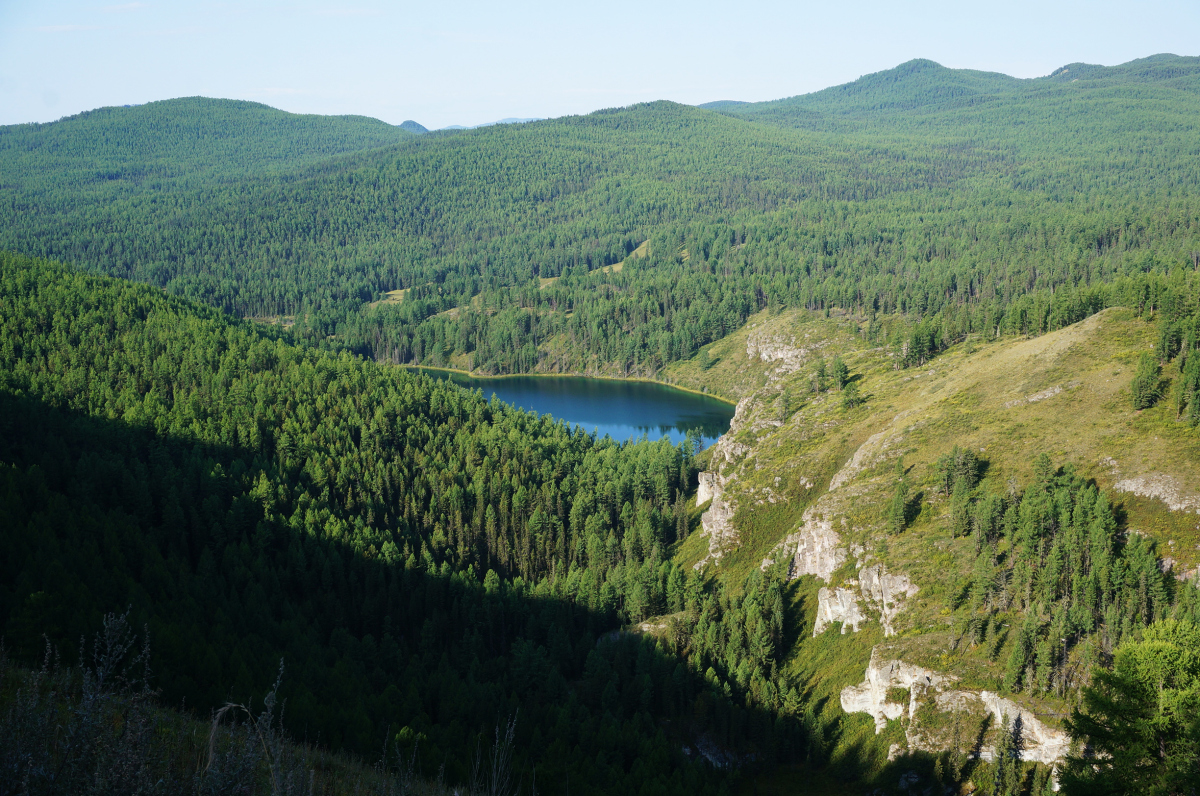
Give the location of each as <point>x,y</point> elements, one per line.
<point>973,395</point>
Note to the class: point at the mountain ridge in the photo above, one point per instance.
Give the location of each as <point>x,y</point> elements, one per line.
<point>924,85</point>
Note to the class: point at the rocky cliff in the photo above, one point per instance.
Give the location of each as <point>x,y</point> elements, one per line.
<point>717,522</point>
<point>872,696</point>
<point>888,678</point>
<point>886,593</point>
<point>815,549</point>
<point>1064,393</point>
<point>781,351</point>
<point>837,605</point>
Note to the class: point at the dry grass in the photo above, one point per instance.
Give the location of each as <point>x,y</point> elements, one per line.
<point>643,250</point>
<point>1064,393</point>
<point>393,297</point>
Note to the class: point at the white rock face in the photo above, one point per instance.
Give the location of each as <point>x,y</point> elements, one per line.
<point>1162,486</point>
<point>837,605</point>
<point>725,450</point>
<point>817,547</point>
<point>711,485</point>
<point>1039,743</point>
<point>717,521</point>
<point>885,593</point>
<point>1049,392</point>
<point>871,696</point>
<point>717,525</point>
<point>774,348</point>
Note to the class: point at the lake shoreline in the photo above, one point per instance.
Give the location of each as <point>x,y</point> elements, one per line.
<point>641,380</point>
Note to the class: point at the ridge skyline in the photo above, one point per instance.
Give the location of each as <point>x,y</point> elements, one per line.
<point>417,126</point>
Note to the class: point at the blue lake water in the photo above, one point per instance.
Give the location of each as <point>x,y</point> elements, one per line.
<point>621,409</point>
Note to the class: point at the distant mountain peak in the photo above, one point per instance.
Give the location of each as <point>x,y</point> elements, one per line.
<point>718,104</point>
<point>413,127</point>
<point>505,120</point>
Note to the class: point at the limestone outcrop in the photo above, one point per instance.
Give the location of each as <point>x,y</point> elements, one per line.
<point>1162,486</point>
<point>885,593</point>
<point>837,605</point>
<point>1037,741</point>
<point>717,525</point>
<point>711,485</point>
<point>774,348</point>
<point>817,548</point>
<point>871,696</point>
<point>1049,392</point>
<point>717,522</point>
<point>725,450</point>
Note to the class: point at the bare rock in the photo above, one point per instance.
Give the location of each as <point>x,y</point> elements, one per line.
<point>725,450</point>
<point>712,485</point>
<point>1049,392</point>
<point>871,695</point>
<point>885,593</point>
<point>817,548</point>
<point>837,605</point>
<point>774,348</point>
<point>1162,486</point>
<point>717,525</point>
<point>717,521</point>
<point>1037,742</point>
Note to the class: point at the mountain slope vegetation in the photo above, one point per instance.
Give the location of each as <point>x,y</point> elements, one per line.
<point>959,312</point>
<point>421,559</point>
<point>188,140</point>
<point>1042,187</point>
<point>991,491</point>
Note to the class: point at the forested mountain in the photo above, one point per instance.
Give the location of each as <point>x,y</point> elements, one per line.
<point>958,310</point>
<point>420,558</point>
<point>1003,191</point>
<point>188,140</point>
<point>921,94</point>
<point>429,564</point>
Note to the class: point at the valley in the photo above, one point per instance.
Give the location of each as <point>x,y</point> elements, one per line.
<point>844,443</point>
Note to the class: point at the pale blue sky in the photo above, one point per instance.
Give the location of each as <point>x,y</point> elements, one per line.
<point>452,62</point>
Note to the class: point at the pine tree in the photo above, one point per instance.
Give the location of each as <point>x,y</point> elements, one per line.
<point>1137,721</point>
<point>897,516</point>
<point>850,396</point>
<point>841,373</point>
<point>1145,383</point>
<point>1007,767</point>
<point>981,579</point>
<point>960,509</point>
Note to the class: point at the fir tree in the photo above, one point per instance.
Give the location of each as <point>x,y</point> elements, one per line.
<point>1144,388</point>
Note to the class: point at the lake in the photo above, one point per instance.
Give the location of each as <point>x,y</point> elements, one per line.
<point>621,409</point>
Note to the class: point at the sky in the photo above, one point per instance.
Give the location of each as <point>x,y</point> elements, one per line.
<point>444,62</point>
